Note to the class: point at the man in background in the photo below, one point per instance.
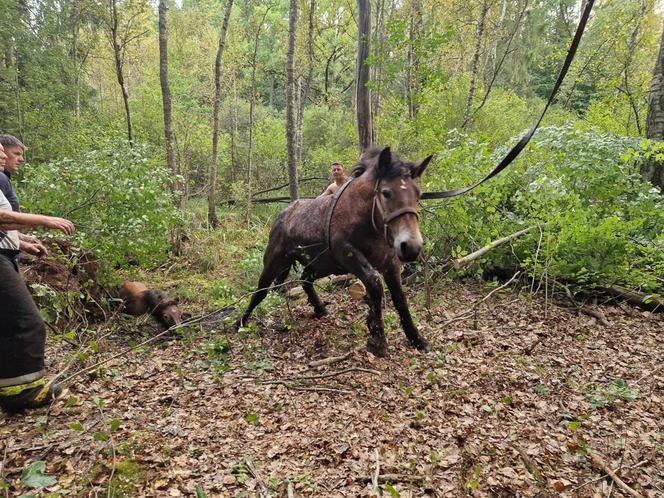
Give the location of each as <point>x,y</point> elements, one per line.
<point>339,179</point>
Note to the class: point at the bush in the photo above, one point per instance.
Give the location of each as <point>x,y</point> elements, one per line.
<point>599,222</point>
<point>119,201</point>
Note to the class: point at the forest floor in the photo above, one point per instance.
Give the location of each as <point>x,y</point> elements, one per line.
<point>518,399</point>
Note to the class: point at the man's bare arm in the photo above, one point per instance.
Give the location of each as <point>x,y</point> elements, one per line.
<point>10,220</point>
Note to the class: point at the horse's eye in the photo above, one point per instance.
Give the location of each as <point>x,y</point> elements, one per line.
<point>387,193</point>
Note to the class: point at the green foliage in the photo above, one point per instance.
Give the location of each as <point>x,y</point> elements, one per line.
<point>616,390</point>
<point>34,476</point>
<point>118,199</point>
<point>598,223</point>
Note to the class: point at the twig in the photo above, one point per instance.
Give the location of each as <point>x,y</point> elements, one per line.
<point>330,360</point>
<point>290,490</point>
<point>599,462</point>
<point>295,387</point>
<point>334,374</point>
<point>383,478</point>
<point>583,485</point>
<point>469,313</point>
<point>261,483</point>
<point>376,474</point>
<point>530,465</point>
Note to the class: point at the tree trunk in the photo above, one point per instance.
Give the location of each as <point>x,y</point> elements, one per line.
<point>474,68</point>
<point>216,104</point>
<point>651,170</point>
<point>117,52</point>
<point>379,40</point>
<point>413,60</point>
<point>166,95</point>
<point>252,101</point>
<point>307,81</point>
<point>364,125</point>
<point>291,125</point>
<point>627,66</point>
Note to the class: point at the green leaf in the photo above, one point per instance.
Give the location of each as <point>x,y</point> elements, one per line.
<point>253,419</point>
<point>393,492</point>
<point>101,436</point>
<point>199,492</point>
<point>34,476</point>
<point>76,426</point>
<point>115,425</point>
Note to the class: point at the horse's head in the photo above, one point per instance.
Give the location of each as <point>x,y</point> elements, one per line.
<point>170,315</point>
<point>395,199</point>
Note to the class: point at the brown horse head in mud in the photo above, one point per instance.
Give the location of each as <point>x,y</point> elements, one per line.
<point>367,228</point>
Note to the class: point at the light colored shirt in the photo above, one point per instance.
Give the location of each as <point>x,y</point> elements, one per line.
<point>10,240</point>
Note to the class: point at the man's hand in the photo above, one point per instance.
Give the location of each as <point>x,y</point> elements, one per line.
<point>35,248</point>
<point>59,224</point>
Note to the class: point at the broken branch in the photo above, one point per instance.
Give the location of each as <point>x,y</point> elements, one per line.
<point>466,260</point>
<point>599,463</point>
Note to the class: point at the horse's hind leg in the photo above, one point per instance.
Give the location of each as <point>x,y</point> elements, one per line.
<point>308,278</point>
<point>276,268</point>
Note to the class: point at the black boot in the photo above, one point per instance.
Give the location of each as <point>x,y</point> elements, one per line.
<point>33,397</point>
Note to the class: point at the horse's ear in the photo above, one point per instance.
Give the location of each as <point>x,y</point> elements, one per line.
<point>384,162</point>
<point>420,166</point>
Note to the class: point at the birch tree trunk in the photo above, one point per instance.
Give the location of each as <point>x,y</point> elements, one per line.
<point>364,125</point>
<point>291,125</point>
<point>651,170</point>
<point>216,105</point>
<point>474,68</point>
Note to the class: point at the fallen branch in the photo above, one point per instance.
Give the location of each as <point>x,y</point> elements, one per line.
<point>376,475</point>
<point>599,463</point>
<point>598,314</point>
<point>583,485</point>
<point>331,360</point>
<point>254,472</point>
<point>466,260</point>
<point>384,478</point>
<point>635,298</point>
<point>295,387</point>
<point>530,465</point>
<point>334,374</point>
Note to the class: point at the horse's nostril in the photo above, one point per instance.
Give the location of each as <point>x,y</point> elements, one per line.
<point>404,248</point>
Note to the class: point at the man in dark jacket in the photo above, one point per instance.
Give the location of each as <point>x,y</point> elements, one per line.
<point>22,330</point>
<point>14,150</point>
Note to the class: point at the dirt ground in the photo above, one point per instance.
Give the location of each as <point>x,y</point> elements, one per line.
<point>522,398</point>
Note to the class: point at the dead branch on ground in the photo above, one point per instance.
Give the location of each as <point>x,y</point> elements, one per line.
<point>599,462</point>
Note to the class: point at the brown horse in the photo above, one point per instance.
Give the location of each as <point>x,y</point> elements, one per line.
<point>367,228</point>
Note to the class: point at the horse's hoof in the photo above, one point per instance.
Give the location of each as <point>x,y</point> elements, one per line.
<point>422,345</point>
<point>377,348</point>
<point>320,313</point>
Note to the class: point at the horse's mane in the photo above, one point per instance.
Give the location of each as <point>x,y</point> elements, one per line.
<point>368,162</point>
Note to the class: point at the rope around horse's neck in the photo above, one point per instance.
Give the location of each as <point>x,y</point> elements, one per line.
<point>328,222</point>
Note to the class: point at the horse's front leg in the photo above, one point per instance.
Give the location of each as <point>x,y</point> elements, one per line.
<point>393,281</point>
<point>353,260</point>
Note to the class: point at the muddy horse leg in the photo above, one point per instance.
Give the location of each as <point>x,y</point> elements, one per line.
<point>308,278</point>
<point>357,263</point>
<point>393,281</point>
<point>275,268</point>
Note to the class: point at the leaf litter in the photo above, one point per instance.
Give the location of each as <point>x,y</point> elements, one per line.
<point>511,402</point>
